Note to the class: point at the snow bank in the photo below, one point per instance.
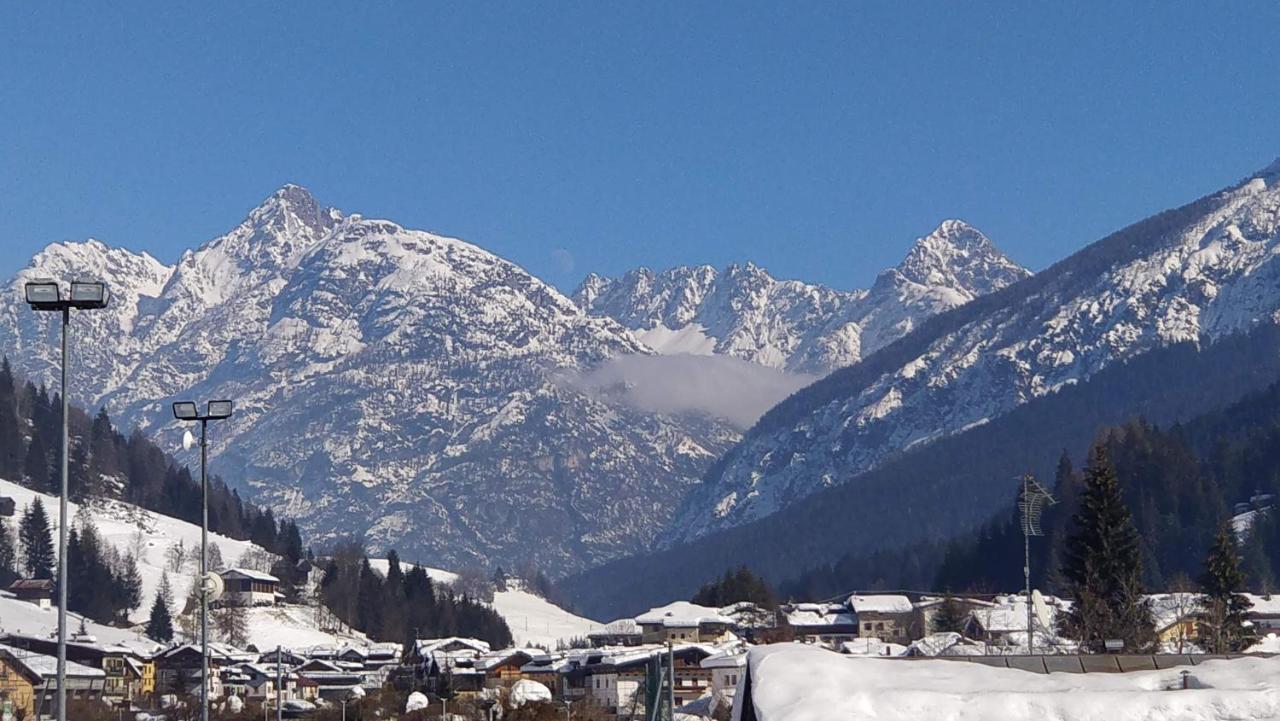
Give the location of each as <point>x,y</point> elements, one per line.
<point>803,683</point>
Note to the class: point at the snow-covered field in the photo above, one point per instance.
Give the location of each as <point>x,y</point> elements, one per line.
<point>127,527</point>
<point>536,621</point>
<point>805,683</point>
<point>533,620</point>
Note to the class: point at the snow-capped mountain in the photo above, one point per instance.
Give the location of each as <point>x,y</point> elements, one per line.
<point>744,312</point>
<point>389,382</point>
<point>1197,273</point>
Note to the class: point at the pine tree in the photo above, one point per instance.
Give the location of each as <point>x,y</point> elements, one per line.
<point>160,623</point>
<point>8,554</point>
<point>215,558</point>
<point>232,625</point>
<point>11,450</point>
<point>950,617</point>
<point>36,464</point>
<point>131,584</point>
<point>37,544</point>
<point>1226,609</point>
<point>1103,565</point>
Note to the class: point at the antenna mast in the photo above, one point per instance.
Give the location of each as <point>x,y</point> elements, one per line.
<point>1032,501</point>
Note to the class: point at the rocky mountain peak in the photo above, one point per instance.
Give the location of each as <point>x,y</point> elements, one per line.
<point>959,256</point>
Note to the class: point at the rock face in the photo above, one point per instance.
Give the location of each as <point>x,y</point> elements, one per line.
<point>389,383</point>
<point>1197,273</point>
<point>744,312</point>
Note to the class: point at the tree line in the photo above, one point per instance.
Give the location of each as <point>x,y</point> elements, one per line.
<point>402,605</point>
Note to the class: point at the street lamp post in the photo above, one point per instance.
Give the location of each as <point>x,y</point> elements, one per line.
<point>46,295</point>
<point>214,411</point>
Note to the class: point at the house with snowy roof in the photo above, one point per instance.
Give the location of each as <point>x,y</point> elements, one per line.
<point>829,623</point>
<point>1265,613</point>
<point>246,587</point>
<point>613,678</point>
<point>33,590</point>
<point>440,662</point>
<point>502,669</point>
<point>623,632</point>
<point>683,622</point>
<point>29,680</point>
<point>888,617</point>
<point>126,669</point>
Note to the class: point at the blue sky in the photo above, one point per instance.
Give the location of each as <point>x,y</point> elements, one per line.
<point>817,139</point>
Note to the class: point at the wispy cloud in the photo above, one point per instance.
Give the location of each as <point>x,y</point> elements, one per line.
<point>728,388</point>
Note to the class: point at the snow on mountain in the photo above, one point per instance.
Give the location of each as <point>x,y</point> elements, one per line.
<point>746,313</point>
<point>390,383</point>
<point>1196,274</point>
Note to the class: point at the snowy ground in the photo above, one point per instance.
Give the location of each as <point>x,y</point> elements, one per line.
<point>804,683</point>
<point>128,527</point>
<point>119,525</point>
<point>27,618</point>
<point>534,621</point>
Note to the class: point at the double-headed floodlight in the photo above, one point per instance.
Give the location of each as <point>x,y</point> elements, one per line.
<point>46,295</point>
<point>214,411</point>
<point>85,295</point>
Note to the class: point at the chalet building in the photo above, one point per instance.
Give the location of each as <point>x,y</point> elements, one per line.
<point>547,669</point>
<point>178,669</point>
<point>1265,613</point>
<point>129,676</point>
<point>33,590</point>
<point>613,679</point>
<point>683,622</point>
<point>29,681</point>
<point>243,587</point>
<point>623,632</point>
<point>334,680</point>
<point>727,668</point>
<point>502,669</point>
<point>434,662</point>
<point>887,617</point>
<point>830,623</point>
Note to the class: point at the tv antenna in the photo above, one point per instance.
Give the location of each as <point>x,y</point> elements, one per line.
<point>1032,500</point>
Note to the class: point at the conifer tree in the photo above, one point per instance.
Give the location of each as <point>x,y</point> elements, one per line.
<point>36,464</point>
<point>1226,608</point>
<point>160,623</point>
<point>8,554</point>
<point>1103,565</point>
<point>37,544</point>
<point>950,617</point>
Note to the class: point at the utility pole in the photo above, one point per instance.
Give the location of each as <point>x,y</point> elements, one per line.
<point>279,690</point>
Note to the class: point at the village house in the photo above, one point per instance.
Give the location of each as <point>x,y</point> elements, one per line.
<point>623,632</point>
<point>129,675</point>
<point>829,623</point>
<point>683,622</point>
<point>334,680</point>
<point>503,668</point>
<point>28,681</point>
<point>887,617</point>
<point>33,590</point>
<point>1265,613</point>
<point>244,587</point>
<point>440,663</point>
<point>178,668</point>
<point>547,669</point>
<point>726,669</point>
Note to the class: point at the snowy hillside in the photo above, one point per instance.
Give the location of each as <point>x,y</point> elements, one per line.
<point>1198,273</point>
<point>534,621</point>
<point>150,536</point>
<point>389,382</point>
<point>744,312</point>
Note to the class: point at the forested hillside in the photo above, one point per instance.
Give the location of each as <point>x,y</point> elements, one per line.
<point>851,535</point>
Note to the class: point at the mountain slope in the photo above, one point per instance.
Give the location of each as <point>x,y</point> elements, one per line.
<point>746,313</point>
<point>1193,274</point>
<point>389,382</point>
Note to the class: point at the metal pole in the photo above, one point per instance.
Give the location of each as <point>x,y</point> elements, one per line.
<point>204,568</point>
<point>671,682</point>
<point>62,536</point>
<point>1026,567</point>
<point>279,691</point>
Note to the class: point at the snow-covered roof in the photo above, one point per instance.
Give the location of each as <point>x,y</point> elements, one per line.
<point>44,666</point>
<point>872,647</point>
<point>1170,608</point>
<point>820,614</point>
<point>682,613</point>
<point>946,644</point>
<point>735,658</point>
<point>249,574</point>
<point>425,646</point>
<point>880,603</point>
